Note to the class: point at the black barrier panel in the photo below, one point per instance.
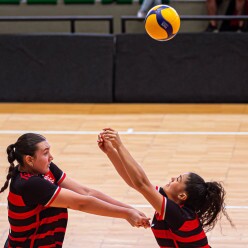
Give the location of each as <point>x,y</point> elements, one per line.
<point>56,68</point>
<point>191,68</point>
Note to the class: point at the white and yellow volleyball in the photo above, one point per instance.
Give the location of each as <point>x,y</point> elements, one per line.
<point>162,22</point>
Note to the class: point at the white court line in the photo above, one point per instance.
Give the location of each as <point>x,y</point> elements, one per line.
<point>149,206</point>
<point>130,131</point>
<point>2,204</point>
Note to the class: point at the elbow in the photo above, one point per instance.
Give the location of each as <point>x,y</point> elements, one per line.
<point>140,184</point>
<point>83,204</point>
<point>137,185</point>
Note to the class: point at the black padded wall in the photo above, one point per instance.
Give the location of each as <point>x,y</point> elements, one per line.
<point>56,68</point>
<point>191,68</point>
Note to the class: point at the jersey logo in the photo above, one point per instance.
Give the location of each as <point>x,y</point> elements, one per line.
<point>25,175</point>
<point>49,177</point>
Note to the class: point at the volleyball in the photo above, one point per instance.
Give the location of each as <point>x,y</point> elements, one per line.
<point>162,22</point>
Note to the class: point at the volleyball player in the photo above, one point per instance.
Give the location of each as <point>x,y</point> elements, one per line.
<point>40,194</point>
<point>185,207</point>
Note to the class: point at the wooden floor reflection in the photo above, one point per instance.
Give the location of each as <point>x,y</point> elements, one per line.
<point>166,139</point>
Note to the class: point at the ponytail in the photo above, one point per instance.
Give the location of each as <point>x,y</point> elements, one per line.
<point>11,158</point>
<point>207,199</point>
<point>213,204</point>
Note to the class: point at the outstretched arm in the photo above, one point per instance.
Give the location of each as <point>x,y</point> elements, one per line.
<point>73,185</point>
<point>135,172</point>
<point>107,147</point>
<point>69,199</point>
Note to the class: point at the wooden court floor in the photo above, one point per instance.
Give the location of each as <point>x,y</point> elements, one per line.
<point>167,140</point>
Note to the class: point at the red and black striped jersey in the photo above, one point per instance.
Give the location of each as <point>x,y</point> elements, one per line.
<point>32,222</point>
<point>177,226</point>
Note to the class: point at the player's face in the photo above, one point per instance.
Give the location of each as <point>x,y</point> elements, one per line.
<point>42,158</point>
<point>175,189</point>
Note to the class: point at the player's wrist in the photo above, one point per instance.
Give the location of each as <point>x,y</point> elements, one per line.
<point>119,146</point>
<point>110,151</point>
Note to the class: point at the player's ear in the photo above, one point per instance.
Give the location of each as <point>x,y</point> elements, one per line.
<point>27,159</point>
<point>183,196</point>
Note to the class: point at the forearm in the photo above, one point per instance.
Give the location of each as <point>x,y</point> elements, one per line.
<point>116,161</point>
<point>134,170</point>
<point>96,206</point>
<point>108,199</point>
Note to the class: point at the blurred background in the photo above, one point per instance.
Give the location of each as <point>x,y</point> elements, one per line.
<point>90,51</point>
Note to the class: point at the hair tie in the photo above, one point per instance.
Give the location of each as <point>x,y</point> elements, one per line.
<point>13,147</point>
<point>11,153</point>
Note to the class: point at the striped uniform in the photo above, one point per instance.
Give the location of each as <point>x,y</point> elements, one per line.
<point>177,226</point>
<point>32,222</point>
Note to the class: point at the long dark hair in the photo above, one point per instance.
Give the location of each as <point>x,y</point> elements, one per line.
<point>25,145</point>
<point>207,199</point>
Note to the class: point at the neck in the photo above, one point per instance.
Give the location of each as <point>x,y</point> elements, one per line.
<point>26,169</point>
<point>175,199</point>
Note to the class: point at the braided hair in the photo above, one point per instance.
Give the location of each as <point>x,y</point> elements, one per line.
<point>25,145</point>
<point>207,199</point>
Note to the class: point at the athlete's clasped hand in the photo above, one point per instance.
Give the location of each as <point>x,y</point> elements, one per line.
<point>111,135</point>
<point>138,219</point>
<point>108,139</point>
